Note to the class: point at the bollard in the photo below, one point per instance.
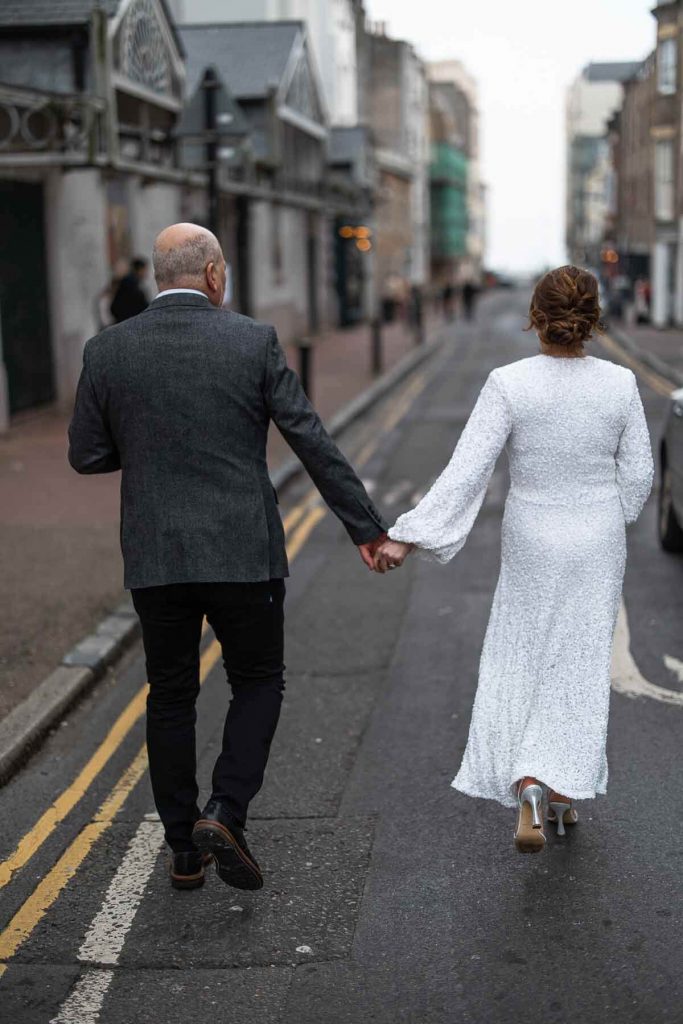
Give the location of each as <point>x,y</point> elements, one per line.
<point>376,346</point>
<point>418,320</point>
<point>305,367</point>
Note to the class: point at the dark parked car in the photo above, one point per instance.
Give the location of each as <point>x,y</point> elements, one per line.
<point>671,487</point>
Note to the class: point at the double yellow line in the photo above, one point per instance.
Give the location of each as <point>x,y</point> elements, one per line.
<point>655,380</point>
<point>299,524</point>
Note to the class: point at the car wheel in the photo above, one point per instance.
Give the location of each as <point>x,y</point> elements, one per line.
<point>670,531</point>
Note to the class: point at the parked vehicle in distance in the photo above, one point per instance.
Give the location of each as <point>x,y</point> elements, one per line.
<point>671,486</point>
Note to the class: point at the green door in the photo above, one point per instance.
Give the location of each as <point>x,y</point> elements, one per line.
<point>24,319</point>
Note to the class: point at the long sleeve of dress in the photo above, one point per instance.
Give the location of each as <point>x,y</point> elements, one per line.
<point>441,522</point>
<point>635,468</point>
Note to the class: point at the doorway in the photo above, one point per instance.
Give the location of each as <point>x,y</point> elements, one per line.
<point>24,316</point>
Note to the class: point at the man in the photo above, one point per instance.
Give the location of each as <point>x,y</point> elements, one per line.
<point>130,298</point>
<point>180,398</point>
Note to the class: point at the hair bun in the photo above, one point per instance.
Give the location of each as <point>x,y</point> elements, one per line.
<point>565,307</point>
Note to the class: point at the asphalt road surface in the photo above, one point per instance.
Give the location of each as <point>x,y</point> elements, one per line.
<point>389,897</point>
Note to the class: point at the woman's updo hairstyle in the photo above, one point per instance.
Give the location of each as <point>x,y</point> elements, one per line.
<point>565,307</point>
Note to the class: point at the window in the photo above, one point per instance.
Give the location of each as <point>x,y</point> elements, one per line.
<point>664,180</point>
<point>667,66</point>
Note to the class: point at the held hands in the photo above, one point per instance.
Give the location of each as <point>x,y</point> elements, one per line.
<point>391,554</point>
<point>382,554</point>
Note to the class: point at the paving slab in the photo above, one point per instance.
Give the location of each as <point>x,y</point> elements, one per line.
<point>232,996</point>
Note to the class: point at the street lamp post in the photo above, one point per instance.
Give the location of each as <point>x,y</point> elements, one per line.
<point>210,85</point>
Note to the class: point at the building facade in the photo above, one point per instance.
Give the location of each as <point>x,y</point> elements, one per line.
<point>332,28</point>
<point>631,232</point>
<point>592,100</point>
<point>667,252</point>
<point>396,108</point>
<point>456,88</point>
<point>89,97</point>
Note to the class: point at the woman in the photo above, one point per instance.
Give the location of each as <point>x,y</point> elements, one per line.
<point>580,467</point>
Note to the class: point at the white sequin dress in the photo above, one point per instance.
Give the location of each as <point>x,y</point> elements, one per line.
<point>580,467</point>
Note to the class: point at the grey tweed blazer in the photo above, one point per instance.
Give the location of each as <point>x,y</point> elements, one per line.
<point>179,398</point>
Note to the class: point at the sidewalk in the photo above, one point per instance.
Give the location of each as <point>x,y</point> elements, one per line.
<point>59,535</point>
<point>662,349</point>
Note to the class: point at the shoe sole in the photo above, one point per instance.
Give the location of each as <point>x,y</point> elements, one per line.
<point>233,866</point>
<point>527,838</point>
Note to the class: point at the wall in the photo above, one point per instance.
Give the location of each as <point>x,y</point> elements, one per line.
<point>635,199</point>
<point>394,239</point>
<point>278,267</point>
<point>78,267</point>
<point>153,207</point>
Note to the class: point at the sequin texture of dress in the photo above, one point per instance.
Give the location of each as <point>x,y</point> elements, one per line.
<point>580,468</point>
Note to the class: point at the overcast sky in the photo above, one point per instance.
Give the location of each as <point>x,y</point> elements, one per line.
<point>523,55</point>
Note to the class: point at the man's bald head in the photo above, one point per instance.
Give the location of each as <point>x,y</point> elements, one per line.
<point>189,256</point>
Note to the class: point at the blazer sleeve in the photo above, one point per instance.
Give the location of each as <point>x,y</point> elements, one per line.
<point>635,467</point>
<point>302,428</point>
<point>91,446</point>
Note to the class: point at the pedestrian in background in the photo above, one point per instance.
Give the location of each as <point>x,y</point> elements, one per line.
<point>469,299</point>
<point>448,299</point>
<point>580,468</point>
<point>130,297</point>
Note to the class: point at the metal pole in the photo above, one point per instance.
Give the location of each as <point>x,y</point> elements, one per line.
<point>305,366</point>
<point>418,318</point>
<point>376,346</point>
<point>210,85</point>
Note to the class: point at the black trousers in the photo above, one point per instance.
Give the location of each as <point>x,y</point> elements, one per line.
<point>248,620</point>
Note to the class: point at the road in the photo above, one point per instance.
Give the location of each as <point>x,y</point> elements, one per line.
<point>389,897</point>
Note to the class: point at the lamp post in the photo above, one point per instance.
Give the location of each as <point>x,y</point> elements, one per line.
<point>210,85</point>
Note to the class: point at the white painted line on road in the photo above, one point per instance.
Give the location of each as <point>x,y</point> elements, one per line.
<point>675,666</point>
<point>398,491</point>
<point>107,933</point>
<point>85,1000</point>
<point>369,485</point>
<point>626,676</point>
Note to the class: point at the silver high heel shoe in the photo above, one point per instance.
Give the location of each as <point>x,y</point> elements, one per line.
<point>563,814</point>
<point>529,835</point>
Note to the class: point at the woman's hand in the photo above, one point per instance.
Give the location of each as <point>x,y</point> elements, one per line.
<point>391,554</point>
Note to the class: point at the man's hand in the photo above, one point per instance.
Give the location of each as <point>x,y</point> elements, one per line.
<point>391,554</point>
<point>367,551</point>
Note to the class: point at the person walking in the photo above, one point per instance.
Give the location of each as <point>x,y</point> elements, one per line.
<point>129,297</point>
<point>580,468</point>
<point>470,293</point>
<point>180,398</point>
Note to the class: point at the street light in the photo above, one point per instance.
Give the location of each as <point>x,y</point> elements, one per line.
<point>213,122</point>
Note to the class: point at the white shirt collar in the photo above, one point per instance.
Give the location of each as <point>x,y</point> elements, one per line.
<point>180,291</point>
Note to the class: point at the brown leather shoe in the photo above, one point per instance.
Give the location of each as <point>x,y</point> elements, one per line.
<point>217,835</point>
<point>186,870</point>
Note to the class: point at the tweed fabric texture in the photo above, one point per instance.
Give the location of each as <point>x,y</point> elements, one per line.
<point>180,398</point>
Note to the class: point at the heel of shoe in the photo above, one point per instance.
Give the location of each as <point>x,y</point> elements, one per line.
<point>529,836</point>
<point>533,795</point>
<point>561,810</point>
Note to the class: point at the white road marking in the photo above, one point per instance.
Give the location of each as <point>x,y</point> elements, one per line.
<point>107,933</point>
<point>675,666</point>
<point>626,676</point>
<point>417,496</point>
<point>398,491</point>
<point>370,486</point>
<point>85,1000</point>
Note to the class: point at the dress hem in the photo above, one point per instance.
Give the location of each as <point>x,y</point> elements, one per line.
<point>510,799</point>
